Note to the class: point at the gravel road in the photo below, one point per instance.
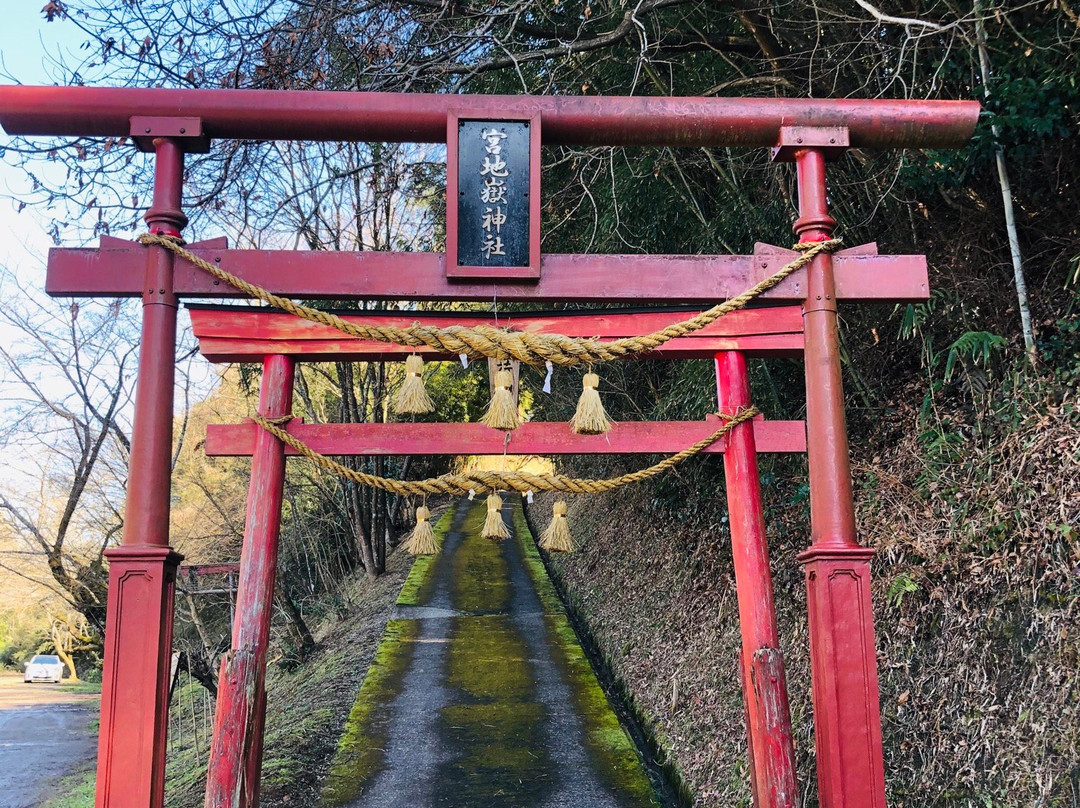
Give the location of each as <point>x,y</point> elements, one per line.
<point>45,733</point>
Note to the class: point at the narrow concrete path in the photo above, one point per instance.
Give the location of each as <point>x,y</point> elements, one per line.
<point>480,695</point>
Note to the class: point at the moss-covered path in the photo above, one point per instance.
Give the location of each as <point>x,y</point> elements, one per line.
<point>480,695</point>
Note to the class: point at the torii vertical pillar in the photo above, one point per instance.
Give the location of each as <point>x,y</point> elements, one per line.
<point>768,717</point>
<point>142,570</point>
<point>843,661</point>
<point>233,772</point>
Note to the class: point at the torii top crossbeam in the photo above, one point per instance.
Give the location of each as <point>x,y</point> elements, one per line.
<point>420,118</point>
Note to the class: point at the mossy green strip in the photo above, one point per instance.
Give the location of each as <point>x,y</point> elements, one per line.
<point>417,589</point>
<point>496,726</point>
<point>361,750</point>
<point>481,576</point>
<point>499,760</point>
<point>612,751</point>
<point>488,659</point>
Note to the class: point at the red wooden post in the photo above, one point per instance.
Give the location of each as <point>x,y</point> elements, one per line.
<point>847,712</point>
<point>768,718</point>
<point>748,697</point>
<point>236,749</point>
<point>142,570</point>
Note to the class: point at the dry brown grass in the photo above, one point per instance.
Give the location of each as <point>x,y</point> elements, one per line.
<point>977,584</point>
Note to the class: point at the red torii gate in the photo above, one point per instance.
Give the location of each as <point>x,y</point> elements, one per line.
<point>142,568</point>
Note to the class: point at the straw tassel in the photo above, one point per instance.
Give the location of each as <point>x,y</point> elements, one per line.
<point>422,540</point>
<point>494,526</point>
<point>412,398</point>
<point>502,412</point>
<point>590,418</point>
<point>556,539</point>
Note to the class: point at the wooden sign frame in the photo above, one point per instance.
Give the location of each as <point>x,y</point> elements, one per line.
<point>454,269</point>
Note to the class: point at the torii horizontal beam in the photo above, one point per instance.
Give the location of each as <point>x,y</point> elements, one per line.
<point>416,117</point>
<point>232,334</point>
<point>117,269</point>
<point>210,569</point>
<point>532,438</point>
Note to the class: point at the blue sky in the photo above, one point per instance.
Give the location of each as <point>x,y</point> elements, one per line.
<point>25,38</point>
<point>28,45</point>
<point>25,42</point>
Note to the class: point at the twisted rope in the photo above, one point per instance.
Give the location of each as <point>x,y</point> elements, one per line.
<point>497,343</point>
<point>482,482</point>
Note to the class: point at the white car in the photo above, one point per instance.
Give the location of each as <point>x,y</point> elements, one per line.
<point>44,668</point>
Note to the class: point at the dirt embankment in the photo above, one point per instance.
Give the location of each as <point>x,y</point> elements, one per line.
<point>976,523</point>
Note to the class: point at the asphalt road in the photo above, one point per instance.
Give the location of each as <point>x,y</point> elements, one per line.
<point>45,733</point>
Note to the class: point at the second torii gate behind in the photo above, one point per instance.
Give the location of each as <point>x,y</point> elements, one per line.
<point>278,340</point>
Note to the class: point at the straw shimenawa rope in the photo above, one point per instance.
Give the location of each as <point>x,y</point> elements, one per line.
<point>497,343</point>
<point>481,482</point>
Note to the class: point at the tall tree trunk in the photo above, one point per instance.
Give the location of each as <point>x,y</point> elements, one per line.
<point>356,495</point>
<point>298,629</point>
<point>378,509</point>
<point>1006,196</point>
<point>196,620</point>
<point>396,510</point>
<point>361,528</point>
<point>66,658</point>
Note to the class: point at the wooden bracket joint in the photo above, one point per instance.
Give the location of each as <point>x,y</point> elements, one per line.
<point>187,132</point>
<point>832,141</point>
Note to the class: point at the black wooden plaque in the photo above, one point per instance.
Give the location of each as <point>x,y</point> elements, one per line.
<point>493,193</point>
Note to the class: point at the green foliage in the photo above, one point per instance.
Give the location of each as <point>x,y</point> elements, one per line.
<point>901,586</point>
<point>458,393</point>
<point>972,346</point>
<point>1061,347</point>
<point>20,639</point>
<point>1027,111</point>
<point>915,316</point>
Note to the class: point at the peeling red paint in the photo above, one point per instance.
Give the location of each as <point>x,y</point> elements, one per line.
<point>768,722</point>
<point>236,750</point>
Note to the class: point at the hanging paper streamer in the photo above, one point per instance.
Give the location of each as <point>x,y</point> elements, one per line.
<point>547,379</point>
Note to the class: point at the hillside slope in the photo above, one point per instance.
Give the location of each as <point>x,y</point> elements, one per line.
<point>976,523</point>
